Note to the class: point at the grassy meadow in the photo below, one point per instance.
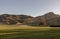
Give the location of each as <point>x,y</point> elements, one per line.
<point>28,32</point>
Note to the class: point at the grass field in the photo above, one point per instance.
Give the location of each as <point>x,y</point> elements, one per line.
<point>28,32</point>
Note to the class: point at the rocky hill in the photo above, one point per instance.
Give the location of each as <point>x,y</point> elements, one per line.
<point>49,19</point>
<point>46,19</point>
<point>14,19</point>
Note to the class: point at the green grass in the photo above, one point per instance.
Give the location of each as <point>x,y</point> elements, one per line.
<point>30,33</point>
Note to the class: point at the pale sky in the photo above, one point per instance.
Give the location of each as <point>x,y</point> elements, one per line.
<point>29,7</point>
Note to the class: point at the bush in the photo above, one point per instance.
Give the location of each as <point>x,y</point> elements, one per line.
<point>54,25</point>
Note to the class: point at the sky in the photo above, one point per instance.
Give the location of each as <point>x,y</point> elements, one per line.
<point>29,7</point>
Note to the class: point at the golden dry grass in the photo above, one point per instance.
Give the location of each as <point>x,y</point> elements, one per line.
<point>19,27</point>
<point>28,32</point>
<point>7,27</point>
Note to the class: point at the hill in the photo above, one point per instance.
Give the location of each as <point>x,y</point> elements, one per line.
<point>46,19</point>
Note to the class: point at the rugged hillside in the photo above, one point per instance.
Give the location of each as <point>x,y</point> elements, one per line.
<point>52,19</point>
<point>49,19</point>
<point>49,15</point>
<point>46,19</point>
<point>15,19</point>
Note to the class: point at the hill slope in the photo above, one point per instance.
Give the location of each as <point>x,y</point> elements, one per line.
<point>46,19</point>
